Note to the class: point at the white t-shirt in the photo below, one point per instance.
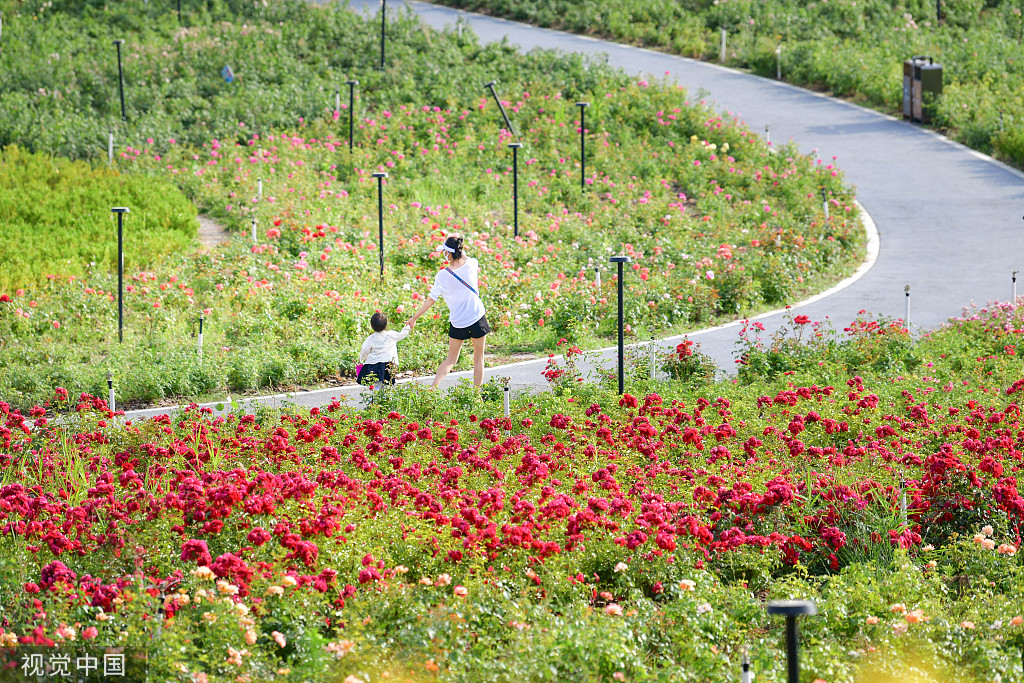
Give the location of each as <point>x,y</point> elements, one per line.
<point>382,347</point>
<point>464,307</point>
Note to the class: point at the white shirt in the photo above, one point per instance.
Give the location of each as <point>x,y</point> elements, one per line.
<point>464,307</point>
<point>382,347</point>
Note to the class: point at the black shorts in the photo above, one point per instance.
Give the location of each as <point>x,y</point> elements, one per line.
<point>375,372</point>
<point>475,331</point>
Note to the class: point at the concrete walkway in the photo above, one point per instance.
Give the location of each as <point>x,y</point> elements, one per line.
<point>948,218</point>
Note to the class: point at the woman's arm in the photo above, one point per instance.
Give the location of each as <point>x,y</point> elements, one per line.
<point>427,303</point>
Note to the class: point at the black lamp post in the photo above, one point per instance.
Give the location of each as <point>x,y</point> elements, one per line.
<point>583,145</point>
<point>120,211</point>
<point>120,78</point>
<point>504,114</point>
<point>383,26</point>
<point>622,376</point>
<point>179,11</point>
<point>515,186</point>
<point>792,609</point>
<point>351,110</point>
<point>380,176</point>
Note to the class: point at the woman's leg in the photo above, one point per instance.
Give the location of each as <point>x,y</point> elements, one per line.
<point>478,361</point>
<point>454,347</point>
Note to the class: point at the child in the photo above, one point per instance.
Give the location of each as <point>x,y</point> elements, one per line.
<point>380,351</point>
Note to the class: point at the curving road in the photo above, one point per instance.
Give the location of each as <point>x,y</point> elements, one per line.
<point>948,218</point>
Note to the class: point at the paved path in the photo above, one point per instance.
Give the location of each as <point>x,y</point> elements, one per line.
<point>948,218</point>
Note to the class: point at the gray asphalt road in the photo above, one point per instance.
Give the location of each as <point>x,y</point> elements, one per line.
<point>949,219</point>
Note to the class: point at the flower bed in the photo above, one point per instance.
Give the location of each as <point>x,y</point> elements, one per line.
<point>576,535</point>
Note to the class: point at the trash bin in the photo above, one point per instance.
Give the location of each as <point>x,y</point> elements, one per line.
<point>928,81</point>
<point>920,75</point>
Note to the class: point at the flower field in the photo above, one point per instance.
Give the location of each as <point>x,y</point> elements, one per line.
<point>433,536</point>
<point>717,223</point>
<point>587,536</point>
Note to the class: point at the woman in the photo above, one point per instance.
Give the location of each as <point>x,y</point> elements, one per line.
<point>457,285</point>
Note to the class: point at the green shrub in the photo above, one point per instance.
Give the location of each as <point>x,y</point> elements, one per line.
<point>57,217</point>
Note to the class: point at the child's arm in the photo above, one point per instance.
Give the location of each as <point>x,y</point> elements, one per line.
<point>399,336</point>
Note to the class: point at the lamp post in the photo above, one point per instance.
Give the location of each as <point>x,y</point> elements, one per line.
<point>514,146</point>
<point>792,609</point>
<point>380,176</point>
<point>179,11</point>
<point>351,110</point>
<point>622,377</point>
<point>383,27</point>
<point>120,77</point>
<point>824,202</point>
<point>583,145</point>
<point>497,100</point>
<point>120,211</point>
